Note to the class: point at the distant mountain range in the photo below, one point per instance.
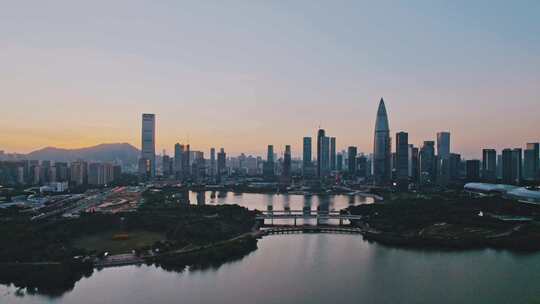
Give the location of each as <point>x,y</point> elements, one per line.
<point>119,152</point>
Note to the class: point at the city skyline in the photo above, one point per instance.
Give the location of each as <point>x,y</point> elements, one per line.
<point>434,163</point>
<point>88,83</point>
<point>284,152</point>
<point>297,147</point>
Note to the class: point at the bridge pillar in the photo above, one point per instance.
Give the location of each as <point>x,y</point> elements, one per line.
<point>295,221</point>
<point>341,222</point>
<point>317,220</point>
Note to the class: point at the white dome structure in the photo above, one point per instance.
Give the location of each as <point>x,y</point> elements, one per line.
<point>525,195</point>
<point>521,194</point>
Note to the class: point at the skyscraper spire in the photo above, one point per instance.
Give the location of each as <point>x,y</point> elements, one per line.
<point>381,124</point>
<point>382,154</point>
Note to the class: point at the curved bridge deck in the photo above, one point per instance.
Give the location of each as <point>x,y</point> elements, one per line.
<point>311,229</point>
<point>297,214</point>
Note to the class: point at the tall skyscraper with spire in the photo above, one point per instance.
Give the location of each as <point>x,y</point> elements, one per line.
<point>382,154</point>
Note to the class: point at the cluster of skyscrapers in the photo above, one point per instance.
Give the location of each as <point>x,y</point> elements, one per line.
<point>433,163</point>
<point>184,164</point>
<point>187,164</point>
<point>513,166</point>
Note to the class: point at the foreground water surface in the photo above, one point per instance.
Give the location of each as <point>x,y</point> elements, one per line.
<point>313,268</point>
<point>256,201</point>
<point>318,268</point>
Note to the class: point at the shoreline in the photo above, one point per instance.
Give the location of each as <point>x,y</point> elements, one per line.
<point>390,239</point>
<point>33,275</point>
<point>509,243</point>
<point>131,259</point>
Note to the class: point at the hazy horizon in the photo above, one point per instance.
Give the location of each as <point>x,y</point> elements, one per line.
<point>247,74</point>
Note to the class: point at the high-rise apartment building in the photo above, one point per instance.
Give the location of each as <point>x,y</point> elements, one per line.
<point>531,161</point>
<point>362,166</point>
<point>325,161</point>
<point>96,175</point>
<point>187,161</point>
<point>443,145</point>
<point>221,164</point>
<point>339,162</point>
<point>506,162</point>
<point>320,139</point>
<point>512,162</point>
<point>286,173</point>
<point>62,172</point>
<point>351,160</point>
<point>473,170</point>
<point>306,156</point>
<point>517,165</point>
<point>79,172</point>
<point>489,165</point>
<point>402,157</point>
<point>213,164</point>
<point>178,159</point>
<point>332,153</point>
<point>269,165</point>
<point>427,163</point>
<point>166,165</point>
<point>454,166</point>
<point>414,163</point>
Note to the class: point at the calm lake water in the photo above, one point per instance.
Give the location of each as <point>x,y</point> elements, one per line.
<point>261,202</point>
<point>318,268</point>
<point>254,201</point>
<point>314,268</point>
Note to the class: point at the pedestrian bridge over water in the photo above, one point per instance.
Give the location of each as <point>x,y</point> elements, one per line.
<point>294,215</point>
<point>311,229</point>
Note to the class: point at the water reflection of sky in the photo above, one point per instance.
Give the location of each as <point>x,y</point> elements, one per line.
<point>255,201</point>
<point>318,268</point>
<point>262,202</point>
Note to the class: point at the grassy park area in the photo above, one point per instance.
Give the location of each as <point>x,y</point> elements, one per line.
<point>51,255</point>
<point>109,241</point>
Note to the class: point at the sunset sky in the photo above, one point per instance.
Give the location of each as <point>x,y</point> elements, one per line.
<point>245,74</point>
